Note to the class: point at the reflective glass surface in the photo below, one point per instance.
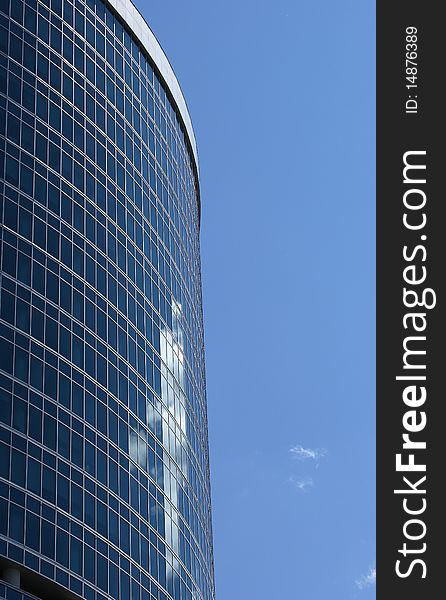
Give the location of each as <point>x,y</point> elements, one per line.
<point>104,475</point>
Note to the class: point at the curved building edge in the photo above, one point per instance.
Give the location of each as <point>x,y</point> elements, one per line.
<point>134,20</point>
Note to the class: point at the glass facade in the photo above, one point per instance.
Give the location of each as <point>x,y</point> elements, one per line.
<point>104,473</point>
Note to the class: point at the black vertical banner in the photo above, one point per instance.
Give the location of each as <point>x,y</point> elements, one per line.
<point>411,307</point>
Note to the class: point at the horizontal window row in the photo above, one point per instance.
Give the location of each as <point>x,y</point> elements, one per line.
<point>136,319</point>
<point>139,112</point>
<point>44,377</point>
<point>144,243</point>
<point>94,269</point>
<point>54,543</point>
<point>103,514</point>
<point>42,480</point>
<point>134,142</point>
<point>107,47</point>
<point>138,252</point>
<point>72,131</point>
<point>85,252</point>
<point>82,505</point>
<point>66,338</point>
<point>24,94</point>
<point>89,353</point>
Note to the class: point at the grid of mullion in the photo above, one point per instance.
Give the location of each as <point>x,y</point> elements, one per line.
<point>42,45</point>
<point>74,52</point>
<point>16,312</point>
<point>8,260</point>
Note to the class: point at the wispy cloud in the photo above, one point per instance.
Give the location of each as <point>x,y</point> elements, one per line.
<point>303,485</point>
<point>368,580</point>
<point>301,453</point>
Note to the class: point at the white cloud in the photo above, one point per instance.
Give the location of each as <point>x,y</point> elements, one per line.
<point>301,453</point>
<point>367,580</point>
<point>302,484</point>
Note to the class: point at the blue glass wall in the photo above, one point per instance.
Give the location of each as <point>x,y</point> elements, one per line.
<point>104,476</point>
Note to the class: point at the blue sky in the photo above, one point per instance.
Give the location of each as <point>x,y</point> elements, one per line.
<point>282,100</point>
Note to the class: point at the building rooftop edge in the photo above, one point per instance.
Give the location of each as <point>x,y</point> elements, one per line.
<point>138,25</point>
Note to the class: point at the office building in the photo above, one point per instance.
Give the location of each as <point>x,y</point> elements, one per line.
<point>104,471</point>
